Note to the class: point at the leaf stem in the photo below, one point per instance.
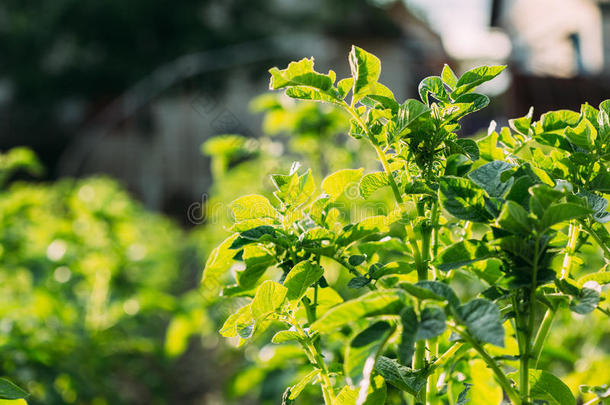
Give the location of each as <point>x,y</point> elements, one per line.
<point>491,363</point>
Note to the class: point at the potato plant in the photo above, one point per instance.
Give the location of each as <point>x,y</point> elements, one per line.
<point>513,210</point>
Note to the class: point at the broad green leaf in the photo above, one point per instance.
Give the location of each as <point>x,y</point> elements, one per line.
<point>514,218</point>
<point>365,68</point>
<point>601,182</point>
<point>296,389</point>
<point>474,101</point>
<point>293,189</point>
<point>583,135</point>
<point>489,178</point>
<point>344,86</point>
<point>432,85</point>
<point>300,278</point>
<point>362,352</point>
<point>358,282</point>
<point>372,182</point>
<point>542,198</point>
<point>449,78</point>
<point>463,199</point>
<point>408,112</point>
<point>523,125</point>
<point>440,289</point>
<point>463,253</point>
<point>257,260</point>
<point>218,263</point>
<point>474,77</point>
<point>598,205</point>
<point>241,323</point>
<point>374,303</point>
<point>554,121</point>
<point>587,299</point>
<point>284,336</point>
<point>338,182</point>
<point>562,212</point>
<point>304,82</point>
<point>8,390</point>
<point>252,207</point>
<point>483,320</point>
<point>488,147</point>
<point>375,395</point>
<point>469,148</point>
<point>268,298</point>
<point>546,387</point>
<point>401,377</point>
<point>431,323</point>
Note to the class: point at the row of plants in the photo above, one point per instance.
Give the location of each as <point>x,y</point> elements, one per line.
<point>444,292</point>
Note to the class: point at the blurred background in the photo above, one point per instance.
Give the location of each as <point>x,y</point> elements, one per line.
<point>108,215</point>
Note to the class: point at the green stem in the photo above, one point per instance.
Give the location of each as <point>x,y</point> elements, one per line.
<point>547,321</point>
<point>525,355</point>
<point>491,363</point>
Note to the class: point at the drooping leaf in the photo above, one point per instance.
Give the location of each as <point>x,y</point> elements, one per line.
<point>338,182</point>
<point>300,278</point>
<point>546,387</point>
<point>374,303</point>
<point>401,377</point>
<point>431,324</point>
<point>483,320</point>
<point>362,352</point>
<point>372,182</point>
<point>587,299</point>
<point>463,253</point>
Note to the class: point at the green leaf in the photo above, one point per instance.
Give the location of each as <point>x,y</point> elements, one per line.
<point>469,148</point>
<point>337,183</point>
<point>374,303</point>
<point>583,135</point>
<point>241,323</point>
<point>401,377</point>
<point>474,101</point>
<point>362,352</point>
<point>449,78</point>
<point>587,299</point>
<point>284,336</point>
<point>546,387</point>
<point>488,147</point>
<point>375,395</point>
<point>523,125</point>
<point>410,323</point>
<point>372,182</point>
<point>598,205</point>
<point>420,293</point>
<point>440,289</point>
<point>218,263</point>
<point>356,260</point>
<point>474,77</point>
<point>601,277</point>
<point>257,260</point>
<point>463,253</point>
<point>293,189</point>
<point>514,218</point>
<point>303,82</point>
<point>296,389</point>
<point>252,207</point>
<point>8,390</point>
<point>300,278</point>
<point>408,112</point>
<point>463,199</point>
<point>556,121</point>
<point>268,298</point>
<point>562,212</point>
<point>601,182</point>
<point>431,324</point>
<point>263,233</point>
<point>358,282</point>
<point>365,68</point>
<point>489,177</point>
<point>432,85</point>
<point>483,320</point>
